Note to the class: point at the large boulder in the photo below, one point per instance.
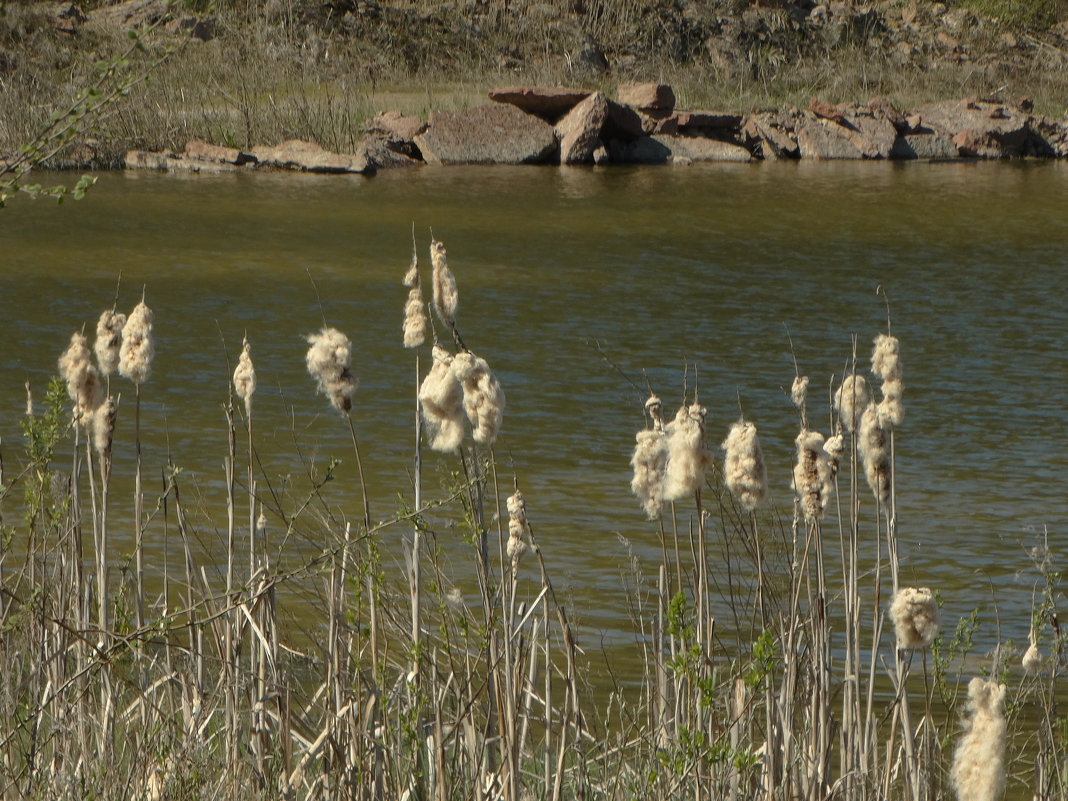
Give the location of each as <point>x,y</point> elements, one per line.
<point>549,103</point>
<point>580,131</point>
<point>381,154</point>
<point>984,128</point>
<point>623,123</point>
<point>820,138</point>
<point>871,129</point>
<point>297,154</point>
<point>771,135</point>
<point>699,148</point>
<point>647,96</point>
<point>924,145</point>
<point>715,124</point>
<point>398,132</point>
<point>486,135</point>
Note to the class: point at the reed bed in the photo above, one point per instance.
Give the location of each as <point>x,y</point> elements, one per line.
<point>797,667</point>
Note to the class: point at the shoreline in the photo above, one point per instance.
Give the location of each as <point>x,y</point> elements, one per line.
<point>641,125</point>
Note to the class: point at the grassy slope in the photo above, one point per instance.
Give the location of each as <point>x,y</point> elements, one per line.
<point>285,68</point>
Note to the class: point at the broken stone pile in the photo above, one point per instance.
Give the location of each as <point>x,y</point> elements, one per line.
<point>534,125</point>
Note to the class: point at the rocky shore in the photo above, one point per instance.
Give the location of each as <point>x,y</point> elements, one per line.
<point>641,125</point>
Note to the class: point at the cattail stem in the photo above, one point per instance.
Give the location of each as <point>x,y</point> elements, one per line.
<point>359,471</point>
<point>139,570</point>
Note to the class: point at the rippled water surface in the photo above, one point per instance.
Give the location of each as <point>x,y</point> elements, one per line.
<point>568,278</point>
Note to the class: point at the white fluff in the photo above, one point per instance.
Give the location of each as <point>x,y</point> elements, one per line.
<point>442,401</point>
<point>978,772</point>
<point>851,399</point>
<point>812,475</point>
<point>137,351</point>
<point>873,444</point>
<point>916,618</point>
<point>743,465</point>
<point>446,296</point>
<point>109,340</point>
<point>483,396</point>
<point>245,376</point>
<point>329,359</point>
<point>687,458</point>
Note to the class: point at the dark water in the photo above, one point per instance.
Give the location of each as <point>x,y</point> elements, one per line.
<point>653,268</point>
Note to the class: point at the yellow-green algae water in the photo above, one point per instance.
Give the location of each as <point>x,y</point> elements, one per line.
<point>568,279</point>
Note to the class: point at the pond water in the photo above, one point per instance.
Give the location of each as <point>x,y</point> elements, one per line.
<point>571,279</point>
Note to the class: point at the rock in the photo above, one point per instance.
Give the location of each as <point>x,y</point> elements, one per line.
<point>580,131</point>
<point>396,126</point>
<point>297,154</point>
<point>658,123</point>
<point>828,111</point>
<point>773,134</point>
<point>1054,133</point>
<point>928,145</point>
<point>600,155</point>
<point>549,103</point>
<point>644,150</point>
<point>147,160</point>
<point>647,96</point>
<point>882,107</point>
<point>622,122</point>
<point>202,151</point>
<point>67,17</point>
<point>486,135</point>
<point>983,128</point>
<point>699,148</point>
<point>708,123</point>
<point>380,154</point>
<point>821,139</point>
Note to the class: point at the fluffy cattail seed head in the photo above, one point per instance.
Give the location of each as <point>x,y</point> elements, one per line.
<point>886,363</point>
<point>649,461</point>
<point>245,376</point>
<point>687,458</point>
<point>743,465</point>
<point>442,400</point>
<point>135,355</point>
<point>799,390</point>
<point>483,396</point>
<point>329,359</point>
<point>109,340</point>
<point>1032,659</point>
<point>83,381</point>
<point>518,527</point>
<point>414,319</point>
<point>812,475</point>
<point>873,444</point>
<point>446,295</point>
<point>104,426</point>
<point>915,615</point>
<point>851,399</point>
<point>978,772</point>
<point>834,447</point>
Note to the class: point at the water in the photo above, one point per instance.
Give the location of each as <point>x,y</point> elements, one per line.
<point>570,278</point>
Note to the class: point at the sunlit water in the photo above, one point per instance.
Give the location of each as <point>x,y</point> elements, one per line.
<point>569,279</point>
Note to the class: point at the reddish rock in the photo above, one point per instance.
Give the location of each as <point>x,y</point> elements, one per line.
<point>622,122</point>
<point>828,111</point>
<point>659,124</point>
<point>872,135</point>
<point>772,133</point>
<point>486,135</point>
<point>549,103</point>
<point>580,130</point>
<point>822,139</point>
<point>396,126</point>
<point>297,154</point>
<point>202,151</point>
<point>699,148</point>
<point>381,154</point>
<point>984,128</point>
<point>705,122</point>
<point>647,96</point>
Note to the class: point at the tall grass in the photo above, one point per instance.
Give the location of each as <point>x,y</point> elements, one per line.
<point>773,673</point>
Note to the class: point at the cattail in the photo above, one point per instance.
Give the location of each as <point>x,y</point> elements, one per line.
<point>109,340</point>
<point>328,360</point>
<point>483,396</point>
<point>442,401</point>
<point>874,447</point>
<point>649,461</point>
<point>83,381</point>
<point>245,376</point>
<point>446,295</point>
<point>851,400</point>
<point>414,319</point>
<point>834,447</point>
<point>687,458</point>
<point>799,390</point>
<point>1032,659</point>
<point>915,615</point>
<point>104,426</point>
<point>135,355</point>
<point>743,465</point>
<point>978,772</point>
<point>812,475</point>
<point>518,527</point>
<point>886,363</point>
